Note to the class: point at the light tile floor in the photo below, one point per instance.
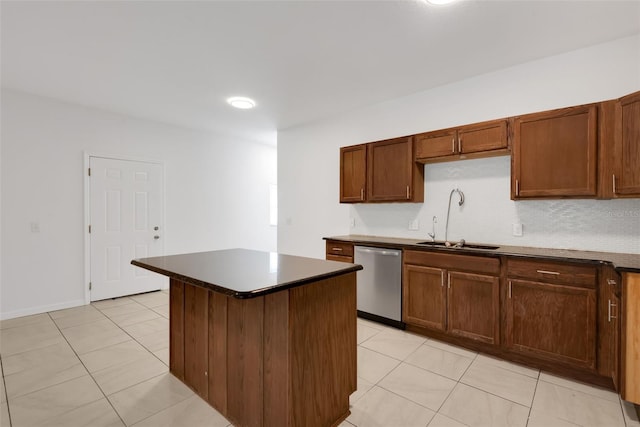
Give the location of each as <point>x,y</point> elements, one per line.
<point>105,364</point>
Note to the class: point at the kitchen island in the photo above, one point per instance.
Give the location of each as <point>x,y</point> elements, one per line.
<point>267,339</point>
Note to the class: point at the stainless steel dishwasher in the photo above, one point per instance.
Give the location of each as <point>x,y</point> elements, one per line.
<point>380,284</point>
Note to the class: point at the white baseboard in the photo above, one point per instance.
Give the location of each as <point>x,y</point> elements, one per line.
<point>41,309</point>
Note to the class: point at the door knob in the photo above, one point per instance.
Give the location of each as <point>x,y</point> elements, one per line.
<point>156,237</point>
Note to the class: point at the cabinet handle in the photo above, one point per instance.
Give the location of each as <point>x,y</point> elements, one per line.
<point>614,183</point>
<point>609,315</point>
<point>509,288</point>
<point>408,192</point>
<point>459,145</point>
<point>611,282</point>
<point>453,144</point>
<point>442,278</point>
<point>448,280</point>
<point>517,188</point>
<point>362,194</point>
<point>555,273</point>
<point>337,249</point>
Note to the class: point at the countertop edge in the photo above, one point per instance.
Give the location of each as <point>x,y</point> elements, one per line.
<point>587,257</point>
<point>246,295</point>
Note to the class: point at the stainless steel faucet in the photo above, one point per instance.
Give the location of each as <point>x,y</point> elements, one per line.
<point>446,228</point>
<point>433,228</point>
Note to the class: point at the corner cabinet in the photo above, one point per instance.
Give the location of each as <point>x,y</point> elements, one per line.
<point>478,140</point>
<point>551,311</point>
<point>457,294</point>
<point>382,171</point>
<point>555,154</point>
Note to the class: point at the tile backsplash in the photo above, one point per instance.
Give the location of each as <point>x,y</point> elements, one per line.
<point>488,213</point>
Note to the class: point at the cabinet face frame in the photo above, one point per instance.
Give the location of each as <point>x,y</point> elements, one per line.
<point>521,190</point>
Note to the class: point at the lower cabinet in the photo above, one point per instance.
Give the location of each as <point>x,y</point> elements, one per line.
<point>339,251</point>
<point>439,296</point>
<point>551,311</point>
<point>552,321</point>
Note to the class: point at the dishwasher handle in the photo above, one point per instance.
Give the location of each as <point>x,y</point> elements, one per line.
<point>377,251</point>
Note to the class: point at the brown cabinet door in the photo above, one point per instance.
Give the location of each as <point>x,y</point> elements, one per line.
<point>390,170</point>
<point>626,181</point>
<point>555,322</point>
<point>353,173</point>
<point>554,154</point>
<point>482,137</point>
<point>436,144</point>
<point>424,296</point>
<point>473,306</point>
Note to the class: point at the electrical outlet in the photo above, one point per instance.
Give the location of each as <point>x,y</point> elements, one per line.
<point>414,225</point>
<point>35,227</point>
<point>352,222</point>
<point>517,229</point>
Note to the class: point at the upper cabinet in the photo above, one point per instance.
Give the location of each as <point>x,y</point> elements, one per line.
<point>382,171</point>
<point>392,175</point>
<point>626,149</point>
<point>353,173</point>
<point>555,154</point>
<point>586,151</point>
<point>471,141</point>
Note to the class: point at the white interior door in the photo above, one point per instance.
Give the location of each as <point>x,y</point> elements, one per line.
<point>126,220</point>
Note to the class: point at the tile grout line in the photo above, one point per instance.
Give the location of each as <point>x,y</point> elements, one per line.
<point>6,396</point>
<point>88,372</point>
<point>132,337</point>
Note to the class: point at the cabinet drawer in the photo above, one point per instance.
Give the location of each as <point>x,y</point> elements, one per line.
<point>340,248</point>
<point>553,272</point>
<point>477,264</point>
<point>341,258</point>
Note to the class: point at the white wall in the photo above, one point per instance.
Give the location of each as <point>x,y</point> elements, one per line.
<point>217,193</point>
<point>308,158</point>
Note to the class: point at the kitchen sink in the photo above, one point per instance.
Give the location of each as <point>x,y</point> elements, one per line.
<point>454,246</point>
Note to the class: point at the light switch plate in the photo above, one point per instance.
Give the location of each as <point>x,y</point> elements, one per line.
<point>414,225</point>
<point>352,222</point>
<point>517,229</point>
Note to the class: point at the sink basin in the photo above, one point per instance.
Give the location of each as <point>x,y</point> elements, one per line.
<point>465,246</point>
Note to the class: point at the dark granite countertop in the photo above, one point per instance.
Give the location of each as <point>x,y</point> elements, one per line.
<point>244,273</point>
<point>621,262</point>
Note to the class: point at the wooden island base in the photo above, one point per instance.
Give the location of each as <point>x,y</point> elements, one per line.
<point>283,359</point>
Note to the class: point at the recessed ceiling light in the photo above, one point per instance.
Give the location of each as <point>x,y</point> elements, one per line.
<point>439,2</point>
<point>241,102</point>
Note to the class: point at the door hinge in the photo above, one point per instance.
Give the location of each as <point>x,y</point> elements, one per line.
<point>89,285</point>
<point>89,171</point>
<point>89,229</point>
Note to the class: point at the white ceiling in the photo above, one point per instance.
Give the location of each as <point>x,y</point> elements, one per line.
<point>177,61</point>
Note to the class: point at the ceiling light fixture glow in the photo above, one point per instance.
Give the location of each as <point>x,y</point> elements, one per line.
<point>241,102</point>
<point>440,2</point>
